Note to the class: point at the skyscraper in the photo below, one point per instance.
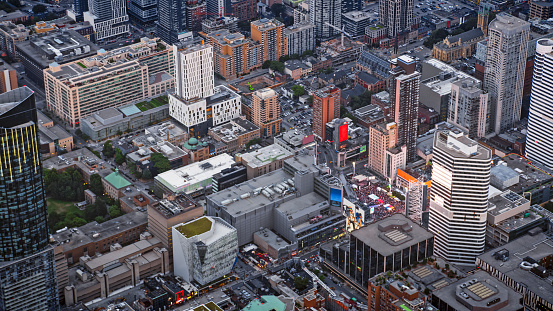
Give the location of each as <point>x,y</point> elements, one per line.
<point>504,74</point>
<point>108,18</point>
<point>171,20</point>
<point>266,112</point>
<point>27,274</point>
<point>326,107</point>
<point>270,34</point>
<point>396,15</point>
<point>404,95</point>
<point>322,12</point>
<point>79,7</point>
<point>539,140</point>
<point>468,107</point>
<point>194,71</point>
<point>459,196</point>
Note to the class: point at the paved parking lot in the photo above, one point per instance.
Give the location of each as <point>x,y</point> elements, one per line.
<point>296,115</point>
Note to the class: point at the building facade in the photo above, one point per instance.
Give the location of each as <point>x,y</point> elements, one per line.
<point>171,20</point>
<point>396,15</point>
<point>270,34</point>
<point>204,249</point>
<point>381,137</point>
<point>233,54</point>
<point>504,73</point>
<point>110,79</point>
<point>404,94</point>
<point>459,196</point>
<point>27,273</point>
<point>143,12</point>
<point>300,38</point>
<point>326,107</point>
<point>539,143</point>
<point>266,112</point>
<point>108,18</point>
<point>193,71</point>
<point>468,108</point>
<point>322,12</point>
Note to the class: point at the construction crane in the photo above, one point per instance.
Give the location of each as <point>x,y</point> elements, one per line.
<point>341,31</point>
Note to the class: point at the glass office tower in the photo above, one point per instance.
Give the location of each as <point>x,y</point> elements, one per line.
<point>27,273</point>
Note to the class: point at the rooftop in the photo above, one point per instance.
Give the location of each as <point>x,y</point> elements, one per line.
<point>536,247</point>
<point>265,155</point>
<point>298,27</point>
<point>392,234</point>
<point>443,75</point>
<point>479,291</point>
<point>175,207</point>
<point>93,231</point>
<point>530,175</point>
<point>357,15</point>
<point>231,130</point>
<point>210,306</point>
<point>458,145</point>
<point>467,35</point>
<point>117,180</point>
<point>103,262</point>
<point>266,303</point>
<point>178,179</point>
<point>195,227</point>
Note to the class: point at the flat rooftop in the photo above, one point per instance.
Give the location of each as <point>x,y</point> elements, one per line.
<point>195,227</point>
<point>265,155</point>
<point>93,231</point>
<point>177,180</point>
<point>392,234</point>
<point>458,145</point>
<point>207,229</point>
<point>505,202</point>
<point>530,175</point>
<point>100,262</point>
<point>536,247</point>
<point>477,291</point>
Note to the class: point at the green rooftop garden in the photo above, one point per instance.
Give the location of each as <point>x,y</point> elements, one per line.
<point>154,103</point>
<point>81,64</point>
<point>210,306</point>
<point>376,27</point>
<point>195,227</point>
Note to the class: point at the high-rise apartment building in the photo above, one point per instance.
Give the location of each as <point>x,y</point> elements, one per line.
<point>143,12</point>
<point>108,18</point>
<point>217,8</point>
<point>396,15</point>
<point>8,79</point>
<point>196,103</point>
<point>322,12</point>
<point>404,96</point>
<point>300,38</point>
<point>171,20</point>
<point>27,273</point>
<point>539,140</point>
<point>351,5</point>
<point>504,73</point>
<point>468,107</point>
<point>459,196</point>
<point>77,10</point>
<point>195,13</point>
<point>381,137</point>
<point>193,71</point>
<point>270,34</point>
<point>109,79</point>
<point>266,112</point>
<point>234,54</point>
<point>326,107</point>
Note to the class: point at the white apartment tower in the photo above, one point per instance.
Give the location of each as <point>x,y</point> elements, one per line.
<point>322,12</point>
<point>539,140</point>
<point>459,196</point>
<point>194,75</point>
<point>396,15</point>
<point>504,74</point>
<point>196,103</point>
<point>108,18</point>
<point>468,107</point>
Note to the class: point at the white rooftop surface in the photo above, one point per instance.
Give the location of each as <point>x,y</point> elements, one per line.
<point>266,155</point>
<point>443,87</point>
<point>194,173</point>
<point>117,255</point>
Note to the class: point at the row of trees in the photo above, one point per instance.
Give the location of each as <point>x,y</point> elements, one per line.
<point>96,211</point>
<point>67,185</point>
<point>273,65</point>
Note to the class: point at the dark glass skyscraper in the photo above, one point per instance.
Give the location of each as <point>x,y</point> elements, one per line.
<point>27,274</point>
<point>171,20</point>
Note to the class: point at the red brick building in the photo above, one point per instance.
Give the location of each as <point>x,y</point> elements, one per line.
<point>326,107</point>
<point>369,82</point>
<point>244,9</point>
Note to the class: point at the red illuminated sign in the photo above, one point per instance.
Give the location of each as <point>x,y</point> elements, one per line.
<point>343,132</point>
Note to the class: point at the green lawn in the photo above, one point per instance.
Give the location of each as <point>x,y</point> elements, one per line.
<point>59,206</point>
<point>195,227</point>
<point>156,102</point>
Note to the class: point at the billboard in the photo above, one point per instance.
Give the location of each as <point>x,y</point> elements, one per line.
<point>335,197</point>
<point>355,216</point>
<point>363,149</point>
<point>343,132</point>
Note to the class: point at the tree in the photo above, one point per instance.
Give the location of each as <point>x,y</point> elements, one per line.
<point>294,56</point>
<point>108,150</point>
<point>146,174</point>
<point>161,163</point>
<point>94,210</point>
<point>15,3</point>
<point>266,64</point>
<point>119,157</point>
<point>114,211</point>
<point>361,100</point>
<point>307,53</point>
<point>99,219</point>
<point>277,66</point>
<point>78,221</point>
<point>284,58</point>
<point>298,90</point>
<point>427,291</point>
<point>436,36</point>
<point>67,185</point>
<point>119,133</point>
<point>53,219</point>
<point>39,9</point>
<point>96,185</point>
<point>301,283</point>
<point>78,132</point>
<point>253,142</point>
